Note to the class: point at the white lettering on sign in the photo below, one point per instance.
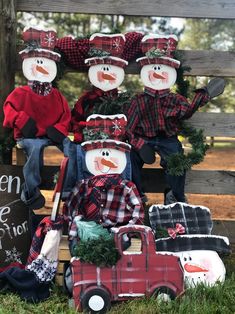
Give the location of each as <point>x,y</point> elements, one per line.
<point>10,230</point>
<point>9,184</point>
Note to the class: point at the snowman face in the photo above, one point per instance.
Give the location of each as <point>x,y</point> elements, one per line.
<point>106,76</point>
<point>201,266</point>
<point>158,76</point>
<point>39,69</point>
<point>105,161</point>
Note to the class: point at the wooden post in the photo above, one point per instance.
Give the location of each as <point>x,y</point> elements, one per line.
<point>7,63</point>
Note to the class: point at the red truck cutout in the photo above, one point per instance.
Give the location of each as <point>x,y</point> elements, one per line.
<point>139,272</point>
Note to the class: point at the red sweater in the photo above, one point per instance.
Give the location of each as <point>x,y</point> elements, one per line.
<point>49,110</point>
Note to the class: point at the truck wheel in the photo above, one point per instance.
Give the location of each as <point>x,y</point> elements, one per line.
<point>96,301</point>
<point>164,294</point>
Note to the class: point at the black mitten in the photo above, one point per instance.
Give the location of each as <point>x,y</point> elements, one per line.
<point>29,130</point>
<point>55,135</point>
<point>215,87</point>
<point>147,154</point>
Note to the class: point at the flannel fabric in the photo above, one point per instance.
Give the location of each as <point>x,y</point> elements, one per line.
<point>194,242</point>
<point>106,199</point>
<point>164,44</point>
<point>85,106</point>
<point>40,38</point>
<point>195,219</point>
<point>99,144</point>
<point>112,125</point>
<point>75,51</point>
<point>44,226</point>
<point>40,88</point>
<point>106,60</point>
<point>113,44</point>
<point>153,113</point>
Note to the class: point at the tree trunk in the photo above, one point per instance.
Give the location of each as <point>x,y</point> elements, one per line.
<point>7,66</point>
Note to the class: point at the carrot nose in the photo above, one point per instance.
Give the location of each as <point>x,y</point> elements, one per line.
<point>194,268</point>
<point>158,76</point>
<point>108,163</point>
<point>41,70</point>
<point>108,77</point>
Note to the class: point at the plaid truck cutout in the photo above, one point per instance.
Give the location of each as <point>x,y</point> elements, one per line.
<point>195,219</point>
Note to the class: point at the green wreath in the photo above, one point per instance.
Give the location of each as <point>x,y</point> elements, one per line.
<point>178,163</point>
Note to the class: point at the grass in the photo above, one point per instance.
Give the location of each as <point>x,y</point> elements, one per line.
<point>219,299</point>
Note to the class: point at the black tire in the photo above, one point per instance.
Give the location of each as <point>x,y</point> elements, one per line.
<point>164,294</point>
<point>67,279</point>
<point>96,301</point>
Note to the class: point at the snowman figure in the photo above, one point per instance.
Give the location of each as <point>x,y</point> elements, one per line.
<point>154,115</point>
<point>38,113</point>
<point>106,74</point>
<point>105,197</point>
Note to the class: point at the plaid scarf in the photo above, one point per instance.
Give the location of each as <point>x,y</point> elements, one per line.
<point>40,88</point>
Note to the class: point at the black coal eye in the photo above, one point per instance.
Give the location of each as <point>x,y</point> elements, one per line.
<point>107,153</point>
<point>103,153</point>
<point>185,259</point>
<point>41,62</point>
<point>38,61</point>
<point>190,258</point>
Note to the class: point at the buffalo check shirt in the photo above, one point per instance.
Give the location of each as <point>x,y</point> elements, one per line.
<point>153,113</point>
<point>107,199</point>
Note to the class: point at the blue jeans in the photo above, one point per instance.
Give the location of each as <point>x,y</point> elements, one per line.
<point>164,146</point>
<point>33,149</point>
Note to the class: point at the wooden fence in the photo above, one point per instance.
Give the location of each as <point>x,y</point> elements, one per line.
<point>202,63</point>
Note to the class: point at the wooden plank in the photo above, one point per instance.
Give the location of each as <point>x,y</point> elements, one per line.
<point>225,228</point>
<point>202,9</point>
<point>214,124</point>
<point>197,181</point>
<point>202,63</point>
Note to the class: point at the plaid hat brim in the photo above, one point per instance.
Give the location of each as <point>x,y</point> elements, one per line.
<point>99,144</point>
<point>42,53</point>
<point>159,60</point>
<point>106,60</point>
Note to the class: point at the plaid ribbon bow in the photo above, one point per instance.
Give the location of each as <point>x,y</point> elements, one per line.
<point>179,229</point>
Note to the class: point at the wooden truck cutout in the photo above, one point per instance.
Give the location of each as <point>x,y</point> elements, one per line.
<point>139,272</point>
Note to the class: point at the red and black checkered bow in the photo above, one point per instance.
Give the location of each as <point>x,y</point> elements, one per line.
<point>179,229</point>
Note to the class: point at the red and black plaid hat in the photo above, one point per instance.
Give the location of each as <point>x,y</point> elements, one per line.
<point>40,43</point>
<point>113,126</point>
<point>106,49</point>
<point>159,49</point>
<point>99,144</point>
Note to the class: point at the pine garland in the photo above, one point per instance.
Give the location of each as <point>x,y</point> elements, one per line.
<point>93,52</point>
<point>178,163</point>
<point>110,105</point>
<point>102,252</point>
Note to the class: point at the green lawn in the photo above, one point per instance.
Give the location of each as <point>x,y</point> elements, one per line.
<point>200,300</point>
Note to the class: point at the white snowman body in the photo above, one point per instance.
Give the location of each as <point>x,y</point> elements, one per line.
<point>105,160</point>
<point>106,76</point>
<point>39,69</point>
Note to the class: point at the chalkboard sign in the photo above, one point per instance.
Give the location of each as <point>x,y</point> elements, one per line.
<point>14,217</point>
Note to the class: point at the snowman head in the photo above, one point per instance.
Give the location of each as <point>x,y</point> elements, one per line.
<point>106,65</point>
<point>39,69</point>
<point>158,67</point>
<point>106,76</point>
<point>105,156</point>
<point>158,76</point>
<point>39,59</point>
<point>201,266</point>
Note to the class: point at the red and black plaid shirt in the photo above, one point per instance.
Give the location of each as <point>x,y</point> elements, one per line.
<point>153,113</point>
<point>85,106</point>
<point>106,199</point>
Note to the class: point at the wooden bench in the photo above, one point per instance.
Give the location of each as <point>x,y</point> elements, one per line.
<point>202,63</point>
